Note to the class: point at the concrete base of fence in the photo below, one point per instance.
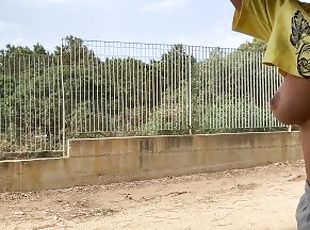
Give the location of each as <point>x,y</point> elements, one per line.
<point>107,160</point>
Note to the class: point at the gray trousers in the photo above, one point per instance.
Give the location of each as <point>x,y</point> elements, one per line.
<point>303,210</point>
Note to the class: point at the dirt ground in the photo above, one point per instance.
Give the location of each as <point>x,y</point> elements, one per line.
<point>256,198</point>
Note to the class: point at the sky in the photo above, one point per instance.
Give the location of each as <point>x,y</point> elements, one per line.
<point>190,22</point>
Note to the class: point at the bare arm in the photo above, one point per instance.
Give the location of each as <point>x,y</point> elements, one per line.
<point>237,4</point>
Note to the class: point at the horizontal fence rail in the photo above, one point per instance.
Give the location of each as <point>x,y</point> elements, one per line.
<point>99,88</point>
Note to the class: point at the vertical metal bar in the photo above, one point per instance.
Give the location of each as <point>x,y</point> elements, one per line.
<point>54,67</point>
<point>5,96</point>
<point>182,78</point>
<point>147,85</point>
<point>126,106</point>
<point>74,110</point>
<point>233,83</point>
<point>35,102</point>
<point>150,85</point>
<point>273,89</point>
<point>2,76</point>
<point>63,106</point>
<point>144,89</point>
<point>20,104</point>
<point>228,88</point>
<point>251,109</point>
<point>190,90</point>
<point>49,103</point>
<point>201,84</point>
<point>263,84</point>
<point>2,99</point>
<point>39,102</point>
<point>246,103</point>
<point>145,102</point>
<point>59,103</point>
<point>10,102</point>
<point>106,90</point>
<point>203,103</point>
<point>227,91</point>
<point>243,99</point>
<point>134,92</point>
<point>79,115</point>
<point>211,89</point>
<point>44,104</point>
<point>153,81</point>
<point>25,102</point>
<point>186,90</point>
<point>239,76</point>
<point>97,108</point>
<point>197,96</point>
<point>93,101</point>
<point>14,93</point>
<point>161,89</point>
<point>171,89</point>
<point>169,86</point>
<point>114,91</point>
<point>174,91</point>
<point>164,88</point>
<point>102,99</point>
<point>140,89</point>
<point>138,78</point>
<point>223,87</point>
<point>218,101</point>
<point>117,83</point>
<point>30,102</point>
<point>70,80</point>
<point>208,80</point>
<point>134,89</point>
<point>122,92</point>
<point>89,81</point>
<point>179,85</point>
<point>260,83</point>
<point>13,104</point>
<point>258,87</point>
<point>131,87</point>
<point>255,86</point>
<point>176,124</point>
<point>223,92</point>
<point>97,111</point>
<point>84,107</point>
<point>267,96</point>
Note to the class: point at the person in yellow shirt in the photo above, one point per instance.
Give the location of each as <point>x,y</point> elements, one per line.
<point>285,26</point>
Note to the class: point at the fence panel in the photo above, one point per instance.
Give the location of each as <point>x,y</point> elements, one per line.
<point>31,106</point>
<point>121,88</point>
<point>232,90</point>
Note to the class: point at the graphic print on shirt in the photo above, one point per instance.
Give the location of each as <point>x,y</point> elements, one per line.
<point>300,39</point>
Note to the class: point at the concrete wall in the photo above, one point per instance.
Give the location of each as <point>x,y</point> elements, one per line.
<point>106,160</point>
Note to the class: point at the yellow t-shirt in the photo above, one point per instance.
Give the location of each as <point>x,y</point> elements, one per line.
<point>285,26</point>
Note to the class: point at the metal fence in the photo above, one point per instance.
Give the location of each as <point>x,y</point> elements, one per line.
<point>99,88</point>
<point>135,88</point>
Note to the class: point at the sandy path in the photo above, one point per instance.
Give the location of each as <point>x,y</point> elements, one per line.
<point>257,198</point>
